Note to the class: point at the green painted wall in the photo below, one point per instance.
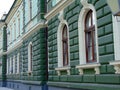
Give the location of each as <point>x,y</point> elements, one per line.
<point>105,41</point>
<point>38,40</point>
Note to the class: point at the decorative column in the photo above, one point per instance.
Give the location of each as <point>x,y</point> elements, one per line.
<point>4,57</point>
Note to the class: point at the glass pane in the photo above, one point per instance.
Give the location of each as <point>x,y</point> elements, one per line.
<point>89,46</point>
<point>65,46</point>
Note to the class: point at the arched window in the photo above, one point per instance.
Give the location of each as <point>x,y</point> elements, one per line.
<point>65,45</point>
<point>30,57</point>
<point>90,37</point>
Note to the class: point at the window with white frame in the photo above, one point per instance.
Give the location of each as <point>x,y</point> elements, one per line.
<point>18,63</point>
<point>18,27</point>
<point>116,32</point>
<point>87,28</point>
<point>10,32</point>
<point>7,66</point>
<point>11,66</point>
<point>63,45</point>
<point>15,32</point>
<point>14,64</point>
<point>54,2</point>
<point>30,57</point>
<point>30,8</point>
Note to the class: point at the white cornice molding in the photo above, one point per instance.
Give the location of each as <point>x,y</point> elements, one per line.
<point>60,6</point>
<point>13,10</point>
<point>15,46</point>
<point>19,43</point>
<point>34,29</point>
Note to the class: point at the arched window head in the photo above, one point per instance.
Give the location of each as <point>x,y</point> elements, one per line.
<point>30,57</point>
<point>90,37</point>
<point>65,45</point>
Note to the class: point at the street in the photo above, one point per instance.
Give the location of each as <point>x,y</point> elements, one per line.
<point>3,88</point>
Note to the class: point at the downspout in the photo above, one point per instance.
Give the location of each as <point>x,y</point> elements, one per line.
<point>41,9</point>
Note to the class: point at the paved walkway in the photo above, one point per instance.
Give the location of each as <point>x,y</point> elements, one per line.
<point>3,88</point>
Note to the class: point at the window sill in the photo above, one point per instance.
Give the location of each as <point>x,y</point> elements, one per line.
<point>95,66</point>
<point>116,65</point>
<point>59,69</point>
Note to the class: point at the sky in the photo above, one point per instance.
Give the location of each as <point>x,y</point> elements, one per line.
<point>5,6</point>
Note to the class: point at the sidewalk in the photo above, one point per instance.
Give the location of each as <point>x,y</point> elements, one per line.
<point>3,88</point>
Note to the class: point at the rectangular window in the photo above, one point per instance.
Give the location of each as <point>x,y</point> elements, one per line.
<point>14,65</point>
<point>14,31</point>
<point>7,66</point>
<point>11,68</point>
<point>18,27</point>
<point>18,63</point>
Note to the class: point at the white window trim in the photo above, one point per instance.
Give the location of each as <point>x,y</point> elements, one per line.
<point>59,46</point>
<point>10,66</point>
<point>59,39</point>
<point>85,9</point>
<point>14,65</point>
<point>116,36</point>
<point>82,49</point>
<point>29,59</point>
<point>18,63</point>
<point>7,66</point>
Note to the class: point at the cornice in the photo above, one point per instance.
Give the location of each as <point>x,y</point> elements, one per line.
<point>60,6</point>
<point>13,10</point>
<point>34,29</point>
<point>16,45</point>
<point>19,43</point>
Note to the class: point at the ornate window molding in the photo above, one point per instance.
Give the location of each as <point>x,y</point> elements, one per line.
<point>116,36</point>
<point>60,44</point>
<point>116,65</point>
<point>82,46</point>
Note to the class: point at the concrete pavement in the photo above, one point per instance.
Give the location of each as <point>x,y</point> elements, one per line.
<point>3,88</point>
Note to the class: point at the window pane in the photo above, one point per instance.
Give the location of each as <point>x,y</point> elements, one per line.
<point>90,37</point>
<point>65,46</point>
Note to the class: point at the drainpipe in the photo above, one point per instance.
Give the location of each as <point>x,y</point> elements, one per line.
<point>41,9</point>
<point>4,57</point>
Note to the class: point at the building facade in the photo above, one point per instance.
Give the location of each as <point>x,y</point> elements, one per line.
<point>24,57</point>
<point>83,42</point>
<point>60,45</point>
